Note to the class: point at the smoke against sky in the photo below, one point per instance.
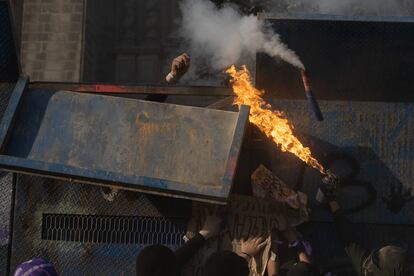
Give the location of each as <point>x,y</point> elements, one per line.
<point>223,36</point>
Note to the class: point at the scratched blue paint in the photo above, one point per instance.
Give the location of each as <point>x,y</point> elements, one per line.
<point>58,170</point>
<point>151,147</point>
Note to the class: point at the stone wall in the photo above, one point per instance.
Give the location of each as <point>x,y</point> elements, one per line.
<point>51,39</point>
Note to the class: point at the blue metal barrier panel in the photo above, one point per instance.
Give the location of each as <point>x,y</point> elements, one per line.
<point>165,149</point>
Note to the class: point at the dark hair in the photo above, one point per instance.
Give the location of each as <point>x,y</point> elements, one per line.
<point>157,260</point>
<point>225,263</point>
<point>388,260</point>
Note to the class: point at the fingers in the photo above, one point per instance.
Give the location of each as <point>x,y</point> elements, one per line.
<point>261,245</point>
<point>254,240</point>
<point>176,64</point>
<point>186,59</point>
<point>181,61</point>
<point>250,239</point>
<point>259,240</point>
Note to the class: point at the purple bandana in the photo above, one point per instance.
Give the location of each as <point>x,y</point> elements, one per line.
<point>35,267</point>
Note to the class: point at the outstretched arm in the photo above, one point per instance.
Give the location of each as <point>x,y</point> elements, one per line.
<point>273,265</point>
<point>353,249</point>
<point>210,229</point>
<point>179,67</point>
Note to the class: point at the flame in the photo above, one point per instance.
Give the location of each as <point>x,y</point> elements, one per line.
<point>272,123</point>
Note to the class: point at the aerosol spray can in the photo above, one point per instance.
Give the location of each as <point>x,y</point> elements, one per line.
<point>330,180</point>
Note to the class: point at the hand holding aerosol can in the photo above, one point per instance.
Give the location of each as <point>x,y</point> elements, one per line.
<point>328,189</point>
<point>179,67</point>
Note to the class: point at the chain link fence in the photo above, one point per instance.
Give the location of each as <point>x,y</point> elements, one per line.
<point>81,233</point>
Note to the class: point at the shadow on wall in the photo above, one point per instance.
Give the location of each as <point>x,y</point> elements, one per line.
<point>380,201</point>
<point>370,189</point>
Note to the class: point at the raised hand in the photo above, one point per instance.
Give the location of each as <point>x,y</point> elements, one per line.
<point>179,67</point>
<point>398,197</point>
<point>252,246</point>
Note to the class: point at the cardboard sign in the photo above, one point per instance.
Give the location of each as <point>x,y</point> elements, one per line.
<point>268,186</point>
<point>244,217</point>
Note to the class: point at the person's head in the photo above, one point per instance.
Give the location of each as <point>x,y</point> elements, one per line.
<point>388,260</point>
<point>36,267</point>
<point>225,263</point>
<point>157,260</point>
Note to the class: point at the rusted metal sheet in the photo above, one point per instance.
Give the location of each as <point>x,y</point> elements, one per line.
<point>152,147</point>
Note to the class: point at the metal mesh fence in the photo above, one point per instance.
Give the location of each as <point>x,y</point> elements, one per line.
<point>6,184</point>
<point>112,229</point>
<point>81,233</point>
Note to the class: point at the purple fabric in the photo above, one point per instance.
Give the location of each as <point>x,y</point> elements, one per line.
<point>35,267</point>
<point>302,245</point>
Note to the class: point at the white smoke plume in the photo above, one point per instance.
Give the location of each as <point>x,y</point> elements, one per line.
<point>224,36</point>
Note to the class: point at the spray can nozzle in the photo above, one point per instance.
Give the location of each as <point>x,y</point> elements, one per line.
<point>330,180</point>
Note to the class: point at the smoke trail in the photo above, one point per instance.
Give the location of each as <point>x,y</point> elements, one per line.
<point>224,36</point>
